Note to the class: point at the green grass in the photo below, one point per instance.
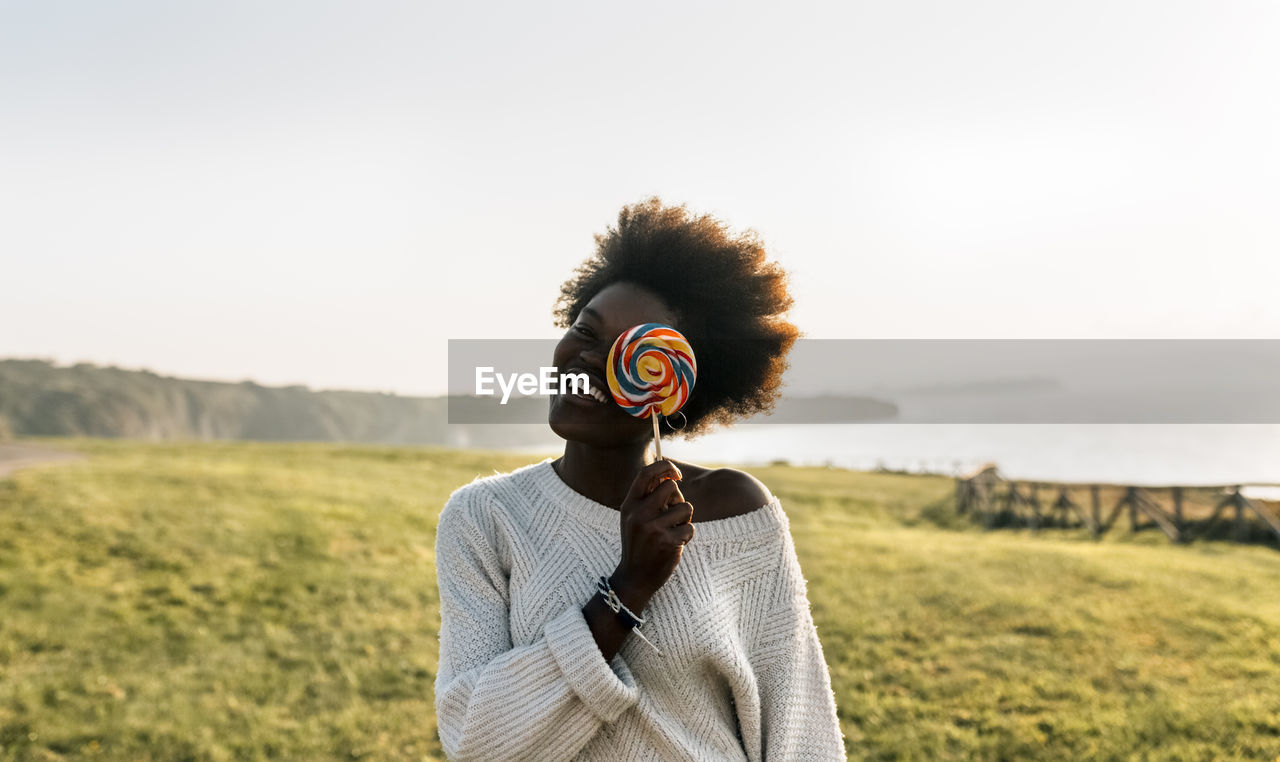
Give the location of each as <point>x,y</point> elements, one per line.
<point>227,601</point>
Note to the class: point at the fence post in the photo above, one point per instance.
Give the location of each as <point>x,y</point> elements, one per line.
<point>1097,510</point>
<point>1238,501</point>
<point>1177,509</point>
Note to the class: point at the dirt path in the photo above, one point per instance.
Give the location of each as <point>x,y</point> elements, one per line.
<point>15,455</point>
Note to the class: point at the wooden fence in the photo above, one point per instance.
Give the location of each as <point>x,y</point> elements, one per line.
<point>1183,513</point>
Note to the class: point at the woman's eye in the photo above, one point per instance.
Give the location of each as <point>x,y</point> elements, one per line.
<point>583,329</point>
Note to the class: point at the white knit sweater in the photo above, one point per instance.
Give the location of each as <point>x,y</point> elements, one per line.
<point>521,677</point>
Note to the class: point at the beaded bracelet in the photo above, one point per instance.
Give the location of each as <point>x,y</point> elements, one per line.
<point>616,605</point>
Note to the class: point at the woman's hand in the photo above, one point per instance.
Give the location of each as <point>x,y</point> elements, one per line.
<point>656,524</point>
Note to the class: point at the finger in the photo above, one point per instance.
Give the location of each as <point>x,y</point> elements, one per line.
<point>649,508</point>
<point>651,476</point>
<point>683,533</point>
<point>663,495</point>
<point>664,470</point>
<point>677,514</point>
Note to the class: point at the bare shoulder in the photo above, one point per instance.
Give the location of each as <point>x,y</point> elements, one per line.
<point>721,493</point>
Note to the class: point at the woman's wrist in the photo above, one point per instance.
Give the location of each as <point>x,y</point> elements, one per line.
<point>632,620</point>
<point>632,595</point>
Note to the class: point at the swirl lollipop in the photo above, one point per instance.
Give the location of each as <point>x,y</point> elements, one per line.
<point>651,371</point>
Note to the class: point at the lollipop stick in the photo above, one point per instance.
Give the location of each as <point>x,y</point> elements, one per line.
<point>657,439</point>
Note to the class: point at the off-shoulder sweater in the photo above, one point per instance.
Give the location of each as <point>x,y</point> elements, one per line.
<point>742,675</point>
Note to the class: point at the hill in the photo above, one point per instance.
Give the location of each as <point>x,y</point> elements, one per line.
<point>40,399</point>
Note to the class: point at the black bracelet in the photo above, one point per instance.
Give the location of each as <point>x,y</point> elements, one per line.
<point>625,614</point>
<point>616,605</point>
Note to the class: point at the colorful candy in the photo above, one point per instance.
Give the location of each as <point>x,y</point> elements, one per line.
<point>651,369</point>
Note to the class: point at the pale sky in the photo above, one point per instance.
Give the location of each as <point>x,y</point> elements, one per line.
<point>324,193</point>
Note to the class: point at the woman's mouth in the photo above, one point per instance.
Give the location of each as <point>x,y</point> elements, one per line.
<point>595,393</point>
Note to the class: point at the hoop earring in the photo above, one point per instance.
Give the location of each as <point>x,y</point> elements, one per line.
<point>684,421</point>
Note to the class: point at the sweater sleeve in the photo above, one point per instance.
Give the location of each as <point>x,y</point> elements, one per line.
<point>797,705</point>
<point>493,700</point>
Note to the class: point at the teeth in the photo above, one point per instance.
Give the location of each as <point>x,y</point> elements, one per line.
<point>596,393</point>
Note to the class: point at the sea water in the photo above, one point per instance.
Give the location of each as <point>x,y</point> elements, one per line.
<point>1138,454</point>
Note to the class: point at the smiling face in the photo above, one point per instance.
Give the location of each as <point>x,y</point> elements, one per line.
<point>585,349</point>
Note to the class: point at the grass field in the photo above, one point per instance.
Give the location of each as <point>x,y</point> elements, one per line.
<point>229,601</point>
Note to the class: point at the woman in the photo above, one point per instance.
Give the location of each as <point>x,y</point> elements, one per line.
<point>545,572</point>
